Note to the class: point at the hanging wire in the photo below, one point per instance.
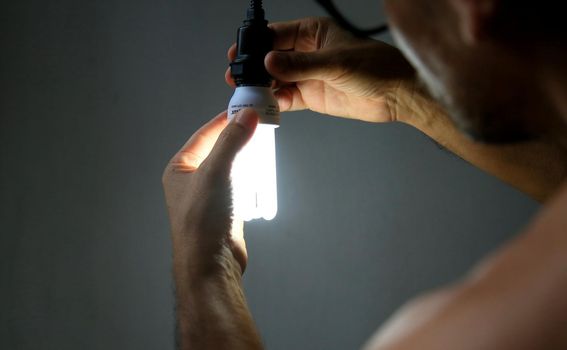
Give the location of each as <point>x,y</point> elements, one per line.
<point>348,25</point>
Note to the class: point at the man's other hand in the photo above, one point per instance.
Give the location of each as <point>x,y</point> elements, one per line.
<point>198,195</point>
<point>319,66</point>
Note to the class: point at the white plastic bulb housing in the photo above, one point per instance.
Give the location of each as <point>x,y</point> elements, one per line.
<point>254,185</point>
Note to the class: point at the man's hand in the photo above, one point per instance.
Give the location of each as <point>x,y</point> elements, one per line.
<point>209,254</point>
<point>321,67</point>
<point>198,194</point>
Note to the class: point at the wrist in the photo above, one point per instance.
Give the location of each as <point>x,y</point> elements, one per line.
<point>415,106</point>
<point>196,263</point>
<point>210,306</point>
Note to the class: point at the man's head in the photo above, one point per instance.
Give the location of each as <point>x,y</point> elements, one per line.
<point>483,60</point>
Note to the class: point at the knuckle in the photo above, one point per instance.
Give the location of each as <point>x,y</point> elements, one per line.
<point>324,22</point>
<point>309,29</point>
<point>166,175</point>
<point>315,22</point>
<point>310,25</point>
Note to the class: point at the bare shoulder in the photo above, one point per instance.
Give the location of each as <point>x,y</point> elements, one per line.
<point>514,299</point>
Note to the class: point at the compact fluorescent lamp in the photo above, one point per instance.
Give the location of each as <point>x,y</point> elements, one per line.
<point>254,186</point>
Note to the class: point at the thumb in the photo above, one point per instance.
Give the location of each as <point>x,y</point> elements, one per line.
<point>231,140</point>
<point>296,66</point>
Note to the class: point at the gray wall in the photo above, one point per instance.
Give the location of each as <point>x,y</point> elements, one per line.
<point>95,98</point>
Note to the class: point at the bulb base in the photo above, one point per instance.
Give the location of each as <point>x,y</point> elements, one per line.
<point>258,97</point>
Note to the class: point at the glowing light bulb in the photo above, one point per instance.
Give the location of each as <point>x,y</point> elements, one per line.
<point>254,185</point>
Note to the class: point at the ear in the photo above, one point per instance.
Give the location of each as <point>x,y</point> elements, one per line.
<point>474,18</point>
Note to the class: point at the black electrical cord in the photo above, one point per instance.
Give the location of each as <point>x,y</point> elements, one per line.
<point>346,24</point>
<point>255,11</point>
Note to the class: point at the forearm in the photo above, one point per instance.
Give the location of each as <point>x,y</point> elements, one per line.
<point>211,308</point>
<point>536,168</point>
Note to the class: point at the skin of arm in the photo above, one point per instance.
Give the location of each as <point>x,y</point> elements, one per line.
<point>320,67</point>
<point>209,254</point>
<point>211,309</point>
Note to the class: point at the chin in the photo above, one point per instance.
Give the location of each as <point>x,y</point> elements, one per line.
<point>498,138</point>
<point>481,117</point>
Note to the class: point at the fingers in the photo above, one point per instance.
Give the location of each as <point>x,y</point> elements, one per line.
<point>227,74</point>
<point>290,99</point>
<point>303,35</point>
<point>199,145</point>
<point>234,136</point>
<point>230,81</point>
<point>228,78</point>
<point>231,54</point>
<point>286,34</point>
<point>300,35</point>
<point>301,66</point>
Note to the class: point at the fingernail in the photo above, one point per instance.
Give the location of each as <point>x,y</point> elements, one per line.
<point>247,118</point>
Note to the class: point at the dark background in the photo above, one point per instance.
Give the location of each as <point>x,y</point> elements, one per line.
<point>95,98</point>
